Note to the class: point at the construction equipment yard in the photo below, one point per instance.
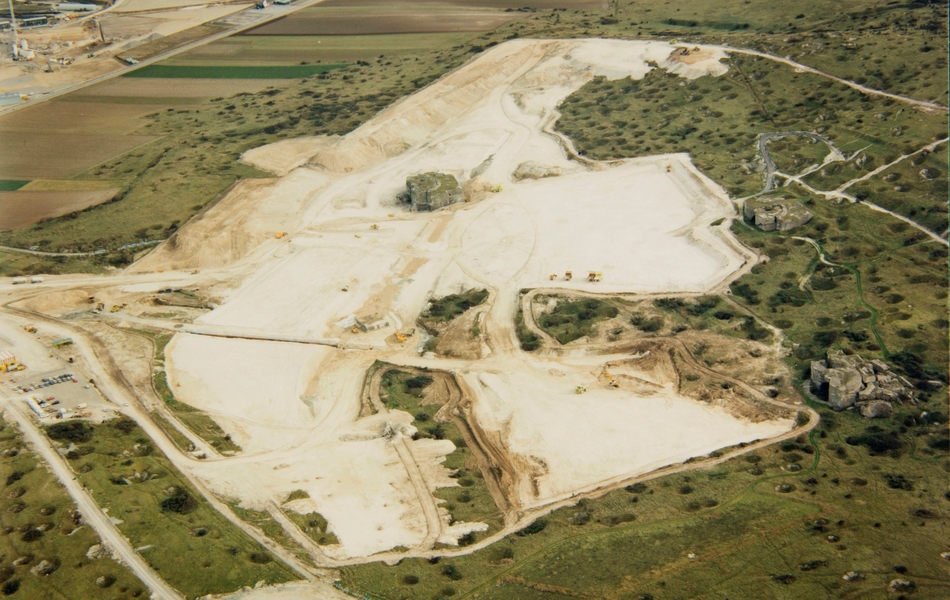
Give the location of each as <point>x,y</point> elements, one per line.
<point>283,268</point>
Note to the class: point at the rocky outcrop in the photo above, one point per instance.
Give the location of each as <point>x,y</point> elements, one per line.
<point>849,380</point>
<point>432,191</point>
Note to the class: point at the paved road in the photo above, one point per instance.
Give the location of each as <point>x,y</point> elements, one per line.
<point>766,138</point>
<point>92,514</point>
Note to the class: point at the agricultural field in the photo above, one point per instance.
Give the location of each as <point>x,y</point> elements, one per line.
<point>252,50</point>
<point>26,154</point>
<point>381,20</point>
<point>171,92</point>
<point>48,552</point>
<point>231,72</point>
<point>24,208</point>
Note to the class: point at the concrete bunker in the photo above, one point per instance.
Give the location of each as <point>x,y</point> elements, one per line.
<point>432,191</point>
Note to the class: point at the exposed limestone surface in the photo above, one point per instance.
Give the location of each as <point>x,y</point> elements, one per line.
<point>850,380</point>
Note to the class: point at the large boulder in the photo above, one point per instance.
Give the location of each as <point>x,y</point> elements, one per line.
<point>877,408</point>
<point>843,387</point>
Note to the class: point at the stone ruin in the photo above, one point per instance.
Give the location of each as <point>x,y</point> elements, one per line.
<point>775,214</point>
<point>852,381</point>
<point>432,191</point>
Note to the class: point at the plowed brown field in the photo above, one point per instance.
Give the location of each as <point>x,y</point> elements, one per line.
<point>20,209</point>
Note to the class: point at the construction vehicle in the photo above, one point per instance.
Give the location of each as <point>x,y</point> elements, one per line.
<point>669,168</point>
<point>92,299</point>
<point>355,329</point>
<point>30,329</point>
<point>580,389</point>
<point>374,226</point>
<point>568,275</point>
<point>553,277</point>
<point>401,336</point>
<point>280,234</point>
<point>345,288</point>
<point>595,276</point>
<point>611,381</point>
<point>117,307</point>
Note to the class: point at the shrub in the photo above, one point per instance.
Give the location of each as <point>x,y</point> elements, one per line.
<point>418,382</point>
<point>260,558</point>
<point>876,440</point>
<point>125,425</point>
<point>451,572</point>
<point>536,527</point>
<point>181,503</point>
<point>70,431</point>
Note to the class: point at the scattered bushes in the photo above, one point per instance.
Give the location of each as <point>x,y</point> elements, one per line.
<point>573,319</point>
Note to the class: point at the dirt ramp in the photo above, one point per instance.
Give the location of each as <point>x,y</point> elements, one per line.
<point>416,118</point>
<point>280,158</point>
<point>252,212</point>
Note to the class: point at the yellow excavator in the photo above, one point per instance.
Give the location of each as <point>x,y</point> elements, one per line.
<point>611,381</point>
<point>401,336</point>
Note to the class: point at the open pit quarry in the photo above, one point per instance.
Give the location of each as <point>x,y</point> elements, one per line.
<point>279,366</point>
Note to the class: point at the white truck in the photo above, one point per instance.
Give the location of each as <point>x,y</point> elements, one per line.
<point>36,280</point>
<point>20,280</point>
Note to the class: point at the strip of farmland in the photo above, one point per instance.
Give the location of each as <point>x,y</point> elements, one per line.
<point>231,72</point>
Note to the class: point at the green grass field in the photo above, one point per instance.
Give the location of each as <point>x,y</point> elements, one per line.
<point>40,523</point>
<point>231,72</point>
<point>12,185</point>
<point>192,546</point>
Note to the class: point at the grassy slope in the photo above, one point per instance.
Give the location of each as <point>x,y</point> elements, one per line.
<point>199,552</point>
<point>42,501</point>
<point>232,72</point>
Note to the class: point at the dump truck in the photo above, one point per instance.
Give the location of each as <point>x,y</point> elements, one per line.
<point>568,275</point>
<point>595,276</point>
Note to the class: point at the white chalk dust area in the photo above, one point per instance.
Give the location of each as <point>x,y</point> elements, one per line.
<point>295,407</point>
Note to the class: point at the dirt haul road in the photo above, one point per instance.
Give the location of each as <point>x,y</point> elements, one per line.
<point>90,511</point>
<point>533,208</point>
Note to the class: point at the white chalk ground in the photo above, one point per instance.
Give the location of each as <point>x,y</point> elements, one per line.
<point>294,407</point>
<point>589,438</point>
